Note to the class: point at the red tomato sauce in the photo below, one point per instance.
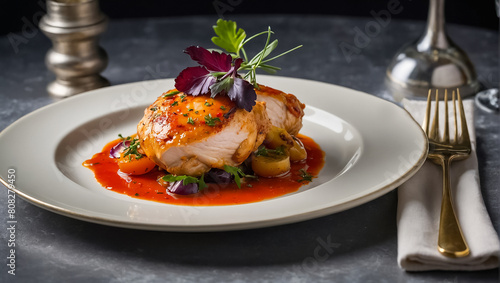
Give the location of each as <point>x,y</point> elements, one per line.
<point>147,187</point>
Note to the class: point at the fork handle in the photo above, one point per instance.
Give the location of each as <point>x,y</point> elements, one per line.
<point>451,241</point>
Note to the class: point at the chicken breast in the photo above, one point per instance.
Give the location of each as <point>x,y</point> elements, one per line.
<point>188,135</point>
<point>284,109</point>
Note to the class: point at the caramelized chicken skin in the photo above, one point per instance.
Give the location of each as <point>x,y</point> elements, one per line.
<point>188,135</point>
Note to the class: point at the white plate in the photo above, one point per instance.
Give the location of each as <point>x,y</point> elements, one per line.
<point>371,146</point>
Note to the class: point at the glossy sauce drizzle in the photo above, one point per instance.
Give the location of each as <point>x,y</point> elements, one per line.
<point>146,186</point>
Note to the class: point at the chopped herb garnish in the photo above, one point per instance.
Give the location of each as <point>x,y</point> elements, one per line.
<point>153,108</point>
<point>174,104</point>
<point>280,150</point>
<point>190,121</point>
<point>306,176</point>
<point>186,180</point>
<point>132,149</point>
<point>196,112</point>
<point>122,138</point>
<point>136,194</point>
<point>210,121</point>
<point>185,114</point>
<point>264,151</point>
<point>208,104</point>
<point>190,109</point>
<point>223,108</point>
<point>172,93</point>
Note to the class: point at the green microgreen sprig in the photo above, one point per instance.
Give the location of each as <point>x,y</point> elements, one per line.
<point>233,39</point>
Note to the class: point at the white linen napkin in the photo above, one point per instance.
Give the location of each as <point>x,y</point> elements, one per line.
<point>419,206</point>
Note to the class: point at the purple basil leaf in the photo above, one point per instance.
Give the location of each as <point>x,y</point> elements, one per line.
<point>213,61</point>
<point>179,188</point>
<point>237,63</point>
<point>243,93</point>
<point>194,81</point>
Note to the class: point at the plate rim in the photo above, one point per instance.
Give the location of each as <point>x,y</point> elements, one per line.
<point>358,200</point>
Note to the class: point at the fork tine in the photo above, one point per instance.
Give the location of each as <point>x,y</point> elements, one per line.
<point>427,117</point>
<point>465,131</point>
<point>446,136</point>
<point>434,134</point>
<point>455,116</point>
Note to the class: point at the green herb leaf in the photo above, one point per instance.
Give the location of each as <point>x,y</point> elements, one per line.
<point>186,180</point>
<point>223,85</point>
<point>306,176</point>
<point>264,151</point>
<point>236,172</point>
<point>210,121</point>
<point>229,37</point>
<point>190,121</point>
<point>172,93</point>
<point>132,149</point>
<point>201,183</point>
<point>122,138</point>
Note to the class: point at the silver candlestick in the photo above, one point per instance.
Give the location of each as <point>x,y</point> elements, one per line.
<point>433,61</point>
<point>76,58</point>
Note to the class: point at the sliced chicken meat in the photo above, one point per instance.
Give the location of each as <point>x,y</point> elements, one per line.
<point>284,109</point>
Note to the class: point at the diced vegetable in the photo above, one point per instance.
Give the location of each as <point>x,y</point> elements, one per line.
<point>271,165</point>
<point>179,188</point>
<point>297,152</point>
<point>277,137</point>
<point>218,176</point>
<point>116,150</point>
<point>135,166</point>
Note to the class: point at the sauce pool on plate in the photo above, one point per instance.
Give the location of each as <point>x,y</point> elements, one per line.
<point>146,186</point>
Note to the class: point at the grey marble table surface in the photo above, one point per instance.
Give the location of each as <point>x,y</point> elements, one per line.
<point>55,248</point>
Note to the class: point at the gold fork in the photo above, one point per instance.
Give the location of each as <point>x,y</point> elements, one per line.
<point>443,151</point>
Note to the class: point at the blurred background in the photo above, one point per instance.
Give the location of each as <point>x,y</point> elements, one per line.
<point>479,13</point>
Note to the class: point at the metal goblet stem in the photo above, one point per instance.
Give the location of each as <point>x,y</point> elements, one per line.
<point>434,61</point>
